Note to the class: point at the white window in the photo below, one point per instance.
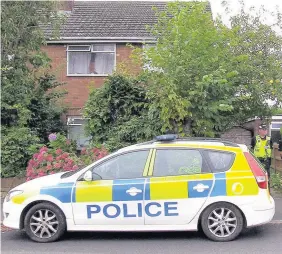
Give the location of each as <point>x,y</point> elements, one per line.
<point>276,125</point>
<point>76,131</point>
<point>91,60</point>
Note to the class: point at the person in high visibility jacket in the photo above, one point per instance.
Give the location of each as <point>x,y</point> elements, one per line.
<point>262,147</point>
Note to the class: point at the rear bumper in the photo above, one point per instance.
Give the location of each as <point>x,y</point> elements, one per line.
<point>258,215</point>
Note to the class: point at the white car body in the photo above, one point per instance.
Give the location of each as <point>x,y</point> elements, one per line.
<point>138,213</point>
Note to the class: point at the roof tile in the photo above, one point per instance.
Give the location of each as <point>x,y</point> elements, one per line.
<point>98,19</point>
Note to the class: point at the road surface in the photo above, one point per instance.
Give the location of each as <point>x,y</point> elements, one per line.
<point>265,239</point>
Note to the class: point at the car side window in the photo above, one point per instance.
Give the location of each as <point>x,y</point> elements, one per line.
<point>173,162</point>
<point>124,166</point>
<point>220,161</point>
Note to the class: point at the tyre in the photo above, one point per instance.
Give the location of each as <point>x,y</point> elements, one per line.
<point>44,223</point>
<point>222,222</point>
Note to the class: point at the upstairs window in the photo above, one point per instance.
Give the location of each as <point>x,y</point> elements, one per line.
<point>91,60</point>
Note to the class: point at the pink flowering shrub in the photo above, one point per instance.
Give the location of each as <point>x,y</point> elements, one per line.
<point>47,162</point>
<point>90,155</point>
<point>54,159</point>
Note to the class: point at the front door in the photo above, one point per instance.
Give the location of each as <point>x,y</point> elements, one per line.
<point>179,184</point>
<point>117,198</point>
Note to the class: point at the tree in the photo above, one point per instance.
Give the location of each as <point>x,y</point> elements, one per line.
<point>29,104</point>
<point>118,113</point>
<point>206,76</point>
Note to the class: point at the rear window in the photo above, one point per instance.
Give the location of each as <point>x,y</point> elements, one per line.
<point>219,161</point>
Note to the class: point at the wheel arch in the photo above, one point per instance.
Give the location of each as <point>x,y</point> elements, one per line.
<point>218,202</point>
<point>30,205</point>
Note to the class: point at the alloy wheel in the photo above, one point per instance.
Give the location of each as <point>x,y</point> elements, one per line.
<point>44,223</point>
<point>222,222</point>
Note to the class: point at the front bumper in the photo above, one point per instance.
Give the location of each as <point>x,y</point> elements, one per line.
<point>12,214</point>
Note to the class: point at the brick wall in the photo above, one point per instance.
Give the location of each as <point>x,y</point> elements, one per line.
<point>11,182</point>
<point>78,87</point>
<point>243,134</point>
<point>238,135</point>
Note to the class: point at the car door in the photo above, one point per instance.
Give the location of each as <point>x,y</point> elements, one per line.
<point>179,183</point>
<point>115,196</point>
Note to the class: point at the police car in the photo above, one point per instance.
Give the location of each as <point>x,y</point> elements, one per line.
<point>168,184</point>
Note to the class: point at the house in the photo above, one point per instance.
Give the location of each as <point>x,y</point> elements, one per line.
<point>92,42</point>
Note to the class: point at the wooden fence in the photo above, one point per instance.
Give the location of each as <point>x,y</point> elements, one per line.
<point>276,161</point>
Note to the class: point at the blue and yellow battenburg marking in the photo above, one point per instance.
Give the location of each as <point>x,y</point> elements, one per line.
<point>233,183</point>
<point>156,188</point>
<point>61,191</point>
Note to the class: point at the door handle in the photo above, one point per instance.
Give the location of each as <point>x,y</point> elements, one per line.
<point>133,191</point>
<point>200,187</point>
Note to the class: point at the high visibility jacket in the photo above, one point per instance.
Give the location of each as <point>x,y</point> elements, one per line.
<point>262,148</point>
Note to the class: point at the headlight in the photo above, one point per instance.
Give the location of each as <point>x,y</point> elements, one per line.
<point>12,194</point>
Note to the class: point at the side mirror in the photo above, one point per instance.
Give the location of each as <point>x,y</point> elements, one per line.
<point>88,176</point>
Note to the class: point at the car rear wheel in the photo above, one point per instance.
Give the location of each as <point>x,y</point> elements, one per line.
<point>222,222</point>
<point>44,223</point>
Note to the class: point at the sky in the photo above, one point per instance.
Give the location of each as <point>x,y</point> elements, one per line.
<point>270,5</point>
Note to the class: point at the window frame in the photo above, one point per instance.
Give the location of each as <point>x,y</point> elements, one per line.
<point>275,128</point>
<point>91,51</point>
<point>147,163</point>
<point>83,50</point>
<point>204,161</point>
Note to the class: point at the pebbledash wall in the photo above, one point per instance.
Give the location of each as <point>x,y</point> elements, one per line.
<point>78,87</point>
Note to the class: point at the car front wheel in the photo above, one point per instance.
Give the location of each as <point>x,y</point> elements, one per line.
<point>222,222</point>
<point>44,223</point>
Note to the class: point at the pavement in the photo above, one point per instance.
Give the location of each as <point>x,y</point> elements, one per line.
<point>263,239</point>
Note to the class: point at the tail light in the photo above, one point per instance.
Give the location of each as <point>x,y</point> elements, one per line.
<point>258,171</point>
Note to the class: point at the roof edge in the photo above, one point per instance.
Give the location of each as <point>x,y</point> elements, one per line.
<point>106,38</point>
<point>100,39</point>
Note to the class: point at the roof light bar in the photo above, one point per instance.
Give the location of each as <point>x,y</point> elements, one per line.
<point>175,137</point>
<point>168,137</point>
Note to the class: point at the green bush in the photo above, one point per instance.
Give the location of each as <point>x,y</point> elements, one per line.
<point>17,148</point>
<point>59,141</point>
<point>30,108</point>
<point>119,113</point>
<point>45,111</point>
<point>276,181</point>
